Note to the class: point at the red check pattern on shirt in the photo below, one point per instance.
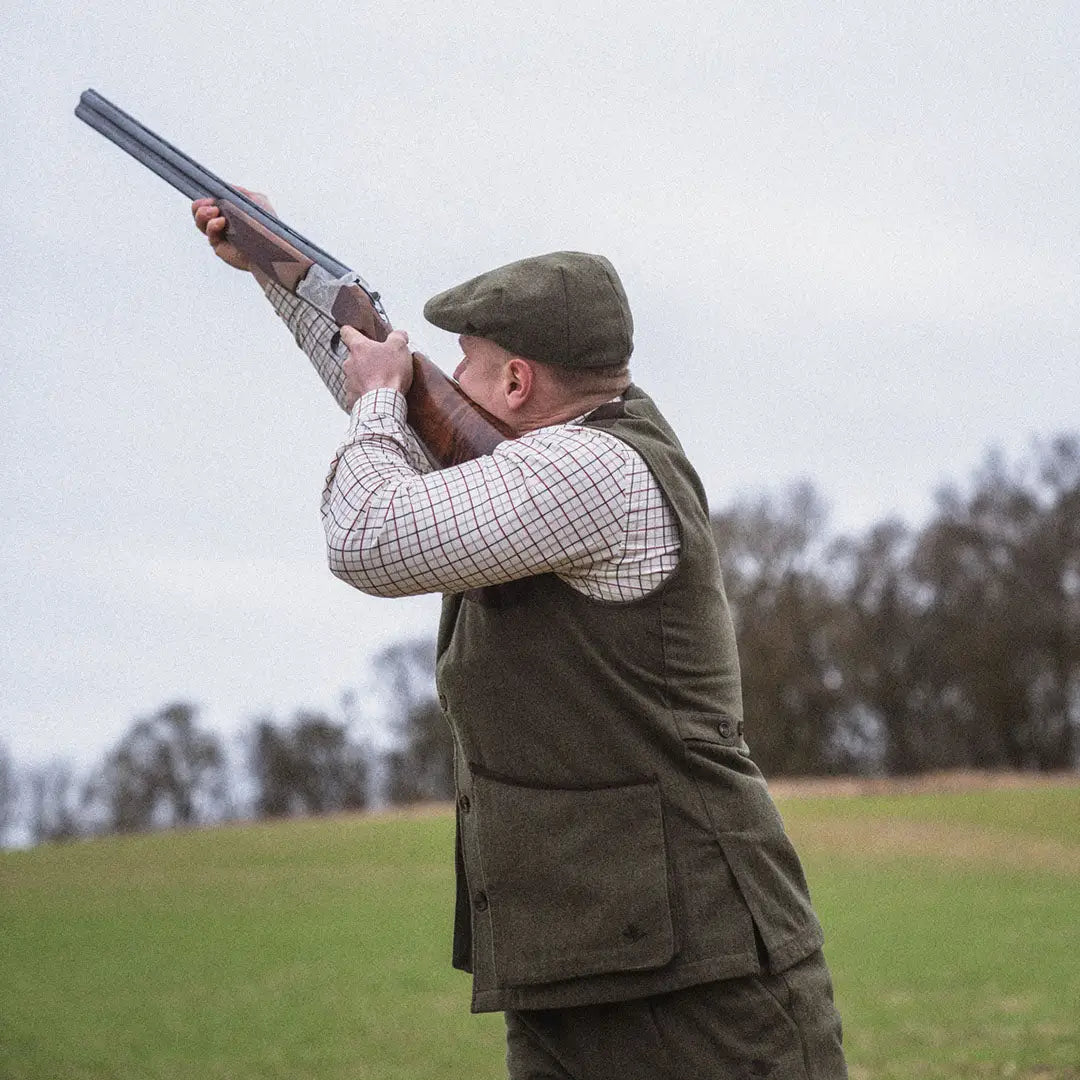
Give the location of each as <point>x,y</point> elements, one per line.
<point>569,500</point>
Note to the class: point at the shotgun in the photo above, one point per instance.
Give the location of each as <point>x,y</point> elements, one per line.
<point>452,427</point>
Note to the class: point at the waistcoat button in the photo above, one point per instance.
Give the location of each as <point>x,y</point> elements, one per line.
<point>480,901</point>
<point>464,804</point>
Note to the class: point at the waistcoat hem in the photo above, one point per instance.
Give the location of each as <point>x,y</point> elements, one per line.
<point>630,987</point>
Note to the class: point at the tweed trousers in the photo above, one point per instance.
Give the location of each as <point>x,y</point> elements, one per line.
<point>782,1026</point>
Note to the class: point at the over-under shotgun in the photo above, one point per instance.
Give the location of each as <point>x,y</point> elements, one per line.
<point>451,426</point>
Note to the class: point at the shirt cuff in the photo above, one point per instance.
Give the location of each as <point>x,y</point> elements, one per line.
<point>380,404</point>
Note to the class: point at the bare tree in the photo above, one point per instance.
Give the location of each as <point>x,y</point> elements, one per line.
<point>789,627</point>
<point>420,768</point>
<point>9,792</point>
<point>55,802</point>
<point>1001,565</point>
<point>1056,556</point>
<point>311,766</point>
<point>165,771</point>
<point>888,653</point>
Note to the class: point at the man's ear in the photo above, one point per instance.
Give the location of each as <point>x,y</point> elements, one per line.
<point>519,382</point>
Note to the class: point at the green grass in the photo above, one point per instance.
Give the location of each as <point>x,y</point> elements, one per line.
<point>313,949</point>
<point>1049,813</point>
<point>319,950</point>
<point>953,939</point>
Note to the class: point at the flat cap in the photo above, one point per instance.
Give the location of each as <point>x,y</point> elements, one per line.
<point>565,308</point>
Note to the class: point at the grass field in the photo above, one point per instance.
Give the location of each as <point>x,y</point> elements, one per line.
<point>318,950</point>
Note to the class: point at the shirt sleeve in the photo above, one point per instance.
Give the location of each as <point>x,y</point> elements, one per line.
<point>316,334</point>
<point>318,337</point>
<point>554,500</point>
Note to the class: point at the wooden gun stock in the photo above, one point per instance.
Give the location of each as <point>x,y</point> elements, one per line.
<point>452,427</point>
<point>447,421</point>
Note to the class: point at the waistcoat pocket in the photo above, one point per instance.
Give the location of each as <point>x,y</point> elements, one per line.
<point>576,881</point>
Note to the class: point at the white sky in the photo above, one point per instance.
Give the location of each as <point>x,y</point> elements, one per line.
<point>849,234</point>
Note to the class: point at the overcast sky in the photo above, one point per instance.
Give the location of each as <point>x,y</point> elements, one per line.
<point>849,234</point>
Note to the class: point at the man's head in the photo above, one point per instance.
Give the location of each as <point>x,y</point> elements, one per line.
<point>544,338</point>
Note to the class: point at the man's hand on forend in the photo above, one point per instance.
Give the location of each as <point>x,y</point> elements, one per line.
<point>210,221</point>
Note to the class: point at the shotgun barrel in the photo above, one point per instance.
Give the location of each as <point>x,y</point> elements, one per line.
<point>187,175</point>
<point>452,427</point>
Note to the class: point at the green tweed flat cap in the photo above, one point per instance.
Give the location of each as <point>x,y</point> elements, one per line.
<point>565,308</point>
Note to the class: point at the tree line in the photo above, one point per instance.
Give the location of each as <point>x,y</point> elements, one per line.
<point>168,770</point>
<point>951,645</point>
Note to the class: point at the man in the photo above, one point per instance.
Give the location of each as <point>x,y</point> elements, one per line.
<point>626,892</point>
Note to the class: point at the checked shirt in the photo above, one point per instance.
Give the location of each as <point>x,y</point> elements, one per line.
<point>569,500</point>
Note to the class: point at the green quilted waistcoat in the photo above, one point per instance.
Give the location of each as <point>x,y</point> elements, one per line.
<point>614,838</point>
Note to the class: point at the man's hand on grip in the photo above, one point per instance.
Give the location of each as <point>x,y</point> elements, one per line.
<point>374,365</point>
